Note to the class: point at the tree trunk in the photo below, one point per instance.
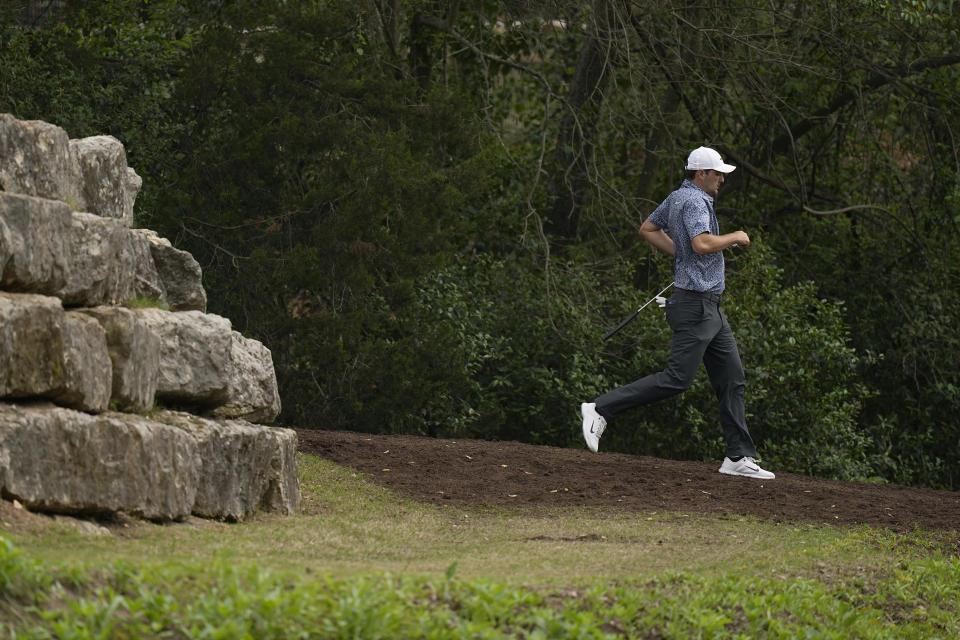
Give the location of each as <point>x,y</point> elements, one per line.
<point>384,26</point>
<point>652,153</point>
<point>426,44</point>
<point>574,151</point>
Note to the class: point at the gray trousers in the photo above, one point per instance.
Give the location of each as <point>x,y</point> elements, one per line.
<point>700,334</point>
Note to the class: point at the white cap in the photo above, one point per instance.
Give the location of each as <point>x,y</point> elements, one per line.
<point>707,158</point>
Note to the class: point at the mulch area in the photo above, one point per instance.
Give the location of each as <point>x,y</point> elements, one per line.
<point>475,472</point>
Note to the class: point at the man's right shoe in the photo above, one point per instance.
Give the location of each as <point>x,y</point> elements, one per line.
<point>745,466</point>
<point>593,425</point>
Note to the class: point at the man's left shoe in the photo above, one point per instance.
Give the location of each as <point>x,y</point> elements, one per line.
<point>745,466</point>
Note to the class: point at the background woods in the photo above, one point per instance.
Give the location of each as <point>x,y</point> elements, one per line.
<point>429,210</point>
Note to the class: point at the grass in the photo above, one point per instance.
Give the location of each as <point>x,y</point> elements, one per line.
<point>145,302</point>
<point>360,562</point>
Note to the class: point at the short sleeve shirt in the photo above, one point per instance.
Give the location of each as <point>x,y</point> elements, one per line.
<point>685,214</point>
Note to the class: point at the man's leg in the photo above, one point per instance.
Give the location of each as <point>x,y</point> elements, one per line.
<point>692,333</point>
<point>725,369</point>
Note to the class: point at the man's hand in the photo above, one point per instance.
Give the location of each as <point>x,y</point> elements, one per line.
<point>656,237</point>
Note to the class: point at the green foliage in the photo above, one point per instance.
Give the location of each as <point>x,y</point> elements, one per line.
<point>110,68</point>
<point>518,351</point>
<point>20,577</point>
<point>804,389</point>
<point>314,186</point>
<point>367,193</point>
<point>918,598</point>
<point>741,605</point>
<point>144,302</point>
<point>913,416</point>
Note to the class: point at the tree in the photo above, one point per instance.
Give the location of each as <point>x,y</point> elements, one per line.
<point>429,210</point>
<point>573,150</point>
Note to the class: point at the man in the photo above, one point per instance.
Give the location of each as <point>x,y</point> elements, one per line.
<point>685,226</point>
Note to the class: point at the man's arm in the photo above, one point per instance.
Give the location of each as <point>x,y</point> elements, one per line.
<point>655,236</point>
<point>709,243</point>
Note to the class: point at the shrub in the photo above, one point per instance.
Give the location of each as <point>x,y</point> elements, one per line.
<point>516,356</point>
<point>804,391</point>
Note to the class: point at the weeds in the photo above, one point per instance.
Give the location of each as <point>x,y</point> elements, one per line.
<point>376,566</point>
<point>145,302</point>
<point>227,600</point>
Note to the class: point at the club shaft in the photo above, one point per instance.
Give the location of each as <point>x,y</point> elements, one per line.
<point>635,313</point>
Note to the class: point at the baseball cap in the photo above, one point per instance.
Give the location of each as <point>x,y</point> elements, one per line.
<point>707,158</point>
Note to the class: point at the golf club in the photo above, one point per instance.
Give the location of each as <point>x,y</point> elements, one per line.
<point>635,313</point>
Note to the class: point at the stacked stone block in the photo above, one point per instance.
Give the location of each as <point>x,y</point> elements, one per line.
<point>105,405</point>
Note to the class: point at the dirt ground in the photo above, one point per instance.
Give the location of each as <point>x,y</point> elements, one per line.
<point>523,475</point>
<point>476,472</point>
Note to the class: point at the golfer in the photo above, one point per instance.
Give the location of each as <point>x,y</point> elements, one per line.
<point>685,226</point>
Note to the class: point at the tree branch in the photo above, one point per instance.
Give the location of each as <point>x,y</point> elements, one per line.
<point>878,79</point>
<point>442,25</point>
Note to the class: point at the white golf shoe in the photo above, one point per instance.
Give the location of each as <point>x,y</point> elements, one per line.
<point>593,425</point>
<point>745,466</point>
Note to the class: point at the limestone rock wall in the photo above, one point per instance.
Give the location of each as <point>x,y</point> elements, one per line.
<point>105,405</point>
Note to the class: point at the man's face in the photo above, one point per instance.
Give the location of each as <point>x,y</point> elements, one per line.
<point>711,182</point>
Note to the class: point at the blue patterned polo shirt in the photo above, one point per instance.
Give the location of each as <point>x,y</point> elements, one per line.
<point>685,214</point>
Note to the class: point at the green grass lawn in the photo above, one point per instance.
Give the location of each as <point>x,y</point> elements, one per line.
<point>360,562</point>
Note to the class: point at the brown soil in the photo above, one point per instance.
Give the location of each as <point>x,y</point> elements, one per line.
<point>512,474</point>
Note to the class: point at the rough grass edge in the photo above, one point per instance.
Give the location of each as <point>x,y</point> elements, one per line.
<point>918,597</point>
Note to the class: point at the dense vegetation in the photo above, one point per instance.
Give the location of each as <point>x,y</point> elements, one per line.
<point>428,210</point>
<point>221,599</point>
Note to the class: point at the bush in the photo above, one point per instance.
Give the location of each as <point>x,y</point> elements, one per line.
<point>805,391</point>
<point>518,356</point>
